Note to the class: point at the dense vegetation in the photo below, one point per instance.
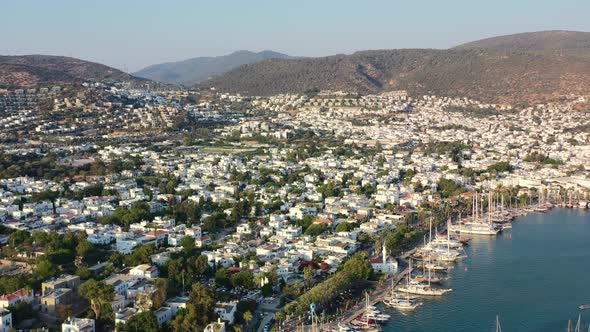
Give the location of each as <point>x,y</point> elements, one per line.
<point>536,157</point>
<point>500,167</point>
<point>355,270</point>
<point>48,166</point>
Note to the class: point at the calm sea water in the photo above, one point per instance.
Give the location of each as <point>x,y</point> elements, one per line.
<point>533,276</point>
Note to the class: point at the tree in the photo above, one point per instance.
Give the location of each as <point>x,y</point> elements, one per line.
<point>175,269</point>
<point>159,296</point>
<point>64,311</point>
<point>308,276</point>
<point>244,279</point>
<point>199,310</point>
<point>140,255</point>
<point>305,222</point>
<point>117,259</point>
<point>45,269</point>
<point>248,317</point>
<point>83,272</point>
<point>19,237</point>
<point>187,243</point>
<point>501,166</point>
<point>22,311</point>
<point>448,188</point>
<point>316,229</point>
<point>201,265</point>
<point>145,321</point>
<point>399,239</point>
<point>356,269</point>
<point>84,247</point>
<point>328,190</point>
<point>222,277</point>
<point>280,316</point>
<point>98,294</point>
<point>345,226</point>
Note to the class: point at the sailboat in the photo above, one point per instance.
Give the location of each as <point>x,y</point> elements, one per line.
<point>401,302</point>
<point>365,322</point>
<point>425,277</point>
<point>476,226</point>
<point>420,289</point>
<point>540,204</point>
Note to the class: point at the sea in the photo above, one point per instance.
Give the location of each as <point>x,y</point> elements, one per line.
<point>533,277</point>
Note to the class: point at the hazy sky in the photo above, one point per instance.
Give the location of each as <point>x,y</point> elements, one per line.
<point>131,34</point>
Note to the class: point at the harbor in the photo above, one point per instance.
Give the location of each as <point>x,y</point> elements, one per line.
<point>506,275</point>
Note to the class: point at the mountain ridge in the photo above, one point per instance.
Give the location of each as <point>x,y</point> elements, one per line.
<point>521,68</point>
<point>23,71</point>
<point>198,69</point>
<point>504,71</point>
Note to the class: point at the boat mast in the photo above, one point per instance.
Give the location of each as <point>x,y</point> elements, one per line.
<point>476,207</point>
<point>448,237</point>
<point>473,206</point>
<point>490,208</point>
<point>430,225</point>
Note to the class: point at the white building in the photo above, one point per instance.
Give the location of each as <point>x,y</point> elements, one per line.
<point>177,303</point>
<point>21,295</point>
<point>78,325</point>
<point>6,321</point>
<point>218,326</point>
<point>382,265</point>
<point>144,271</point>
<point>163,315</point>
<point>226,311</point>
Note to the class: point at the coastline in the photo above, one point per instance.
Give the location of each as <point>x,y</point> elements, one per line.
<point>377,295</point>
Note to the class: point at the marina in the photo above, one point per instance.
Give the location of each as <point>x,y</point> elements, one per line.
<point>515,275</point>
<point>496,280</point>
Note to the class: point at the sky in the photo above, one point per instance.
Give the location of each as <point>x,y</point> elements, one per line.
<point>132,34</point>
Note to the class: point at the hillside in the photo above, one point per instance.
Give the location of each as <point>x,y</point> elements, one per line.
<point>38,70</point>
<point>556,42</point>
<point>195,70</point>
<point>495,73</point>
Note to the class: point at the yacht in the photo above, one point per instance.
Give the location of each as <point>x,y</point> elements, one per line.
<point>435,267</point>
<point>423,290</point>
<point>477,228</point>
<point>378,316</point>
<point>345,328</point>
<point>434,279</point>
<point>445,241</point>
<point>402,304</point>
<point>401,301</point>
<point>446,256</point>
<point>417,288</point>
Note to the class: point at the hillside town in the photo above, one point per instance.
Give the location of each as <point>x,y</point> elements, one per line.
<point>135,209</point>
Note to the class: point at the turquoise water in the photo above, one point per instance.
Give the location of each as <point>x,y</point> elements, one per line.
<point>533,276</point>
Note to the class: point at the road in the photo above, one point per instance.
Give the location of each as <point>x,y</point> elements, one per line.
<point>267,307</point>
<point>267,318</point>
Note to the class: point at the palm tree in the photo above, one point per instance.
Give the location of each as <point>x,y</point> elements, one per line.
<point>237,328</point>
<point>248,317</point>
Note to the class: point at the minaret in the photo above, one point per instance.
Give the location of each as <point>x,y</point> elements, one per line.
<point>384,251</point>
